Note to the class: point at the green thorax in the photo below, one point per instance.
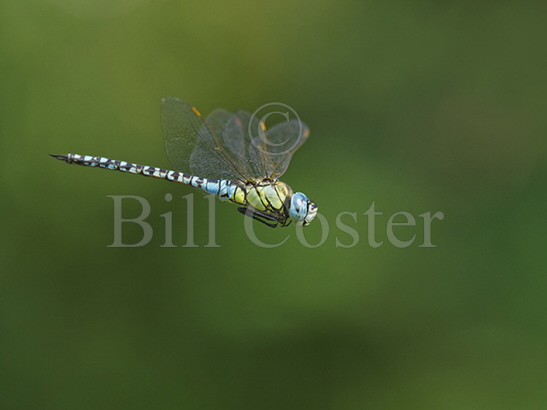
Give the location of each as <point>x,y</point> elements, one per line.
<point>267,195</point>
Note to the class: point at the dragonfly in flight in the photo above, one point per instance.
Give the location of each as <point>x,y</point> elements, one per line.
<point>229,155</point>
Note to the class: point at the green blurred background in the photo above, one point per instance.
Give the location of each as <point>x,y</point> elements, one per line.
<point>420,107</point>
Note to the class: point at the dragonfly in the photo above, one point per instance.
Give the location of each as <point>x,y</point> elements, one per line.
<point>230,155</point>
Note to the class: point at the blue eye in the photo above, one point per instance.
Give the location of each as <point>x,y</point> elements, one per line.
<point>299,207</point>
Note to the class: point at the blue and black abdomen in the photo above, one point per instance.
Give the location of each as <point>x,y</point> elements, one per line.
<point>266,198</point>
<point>223,189</point>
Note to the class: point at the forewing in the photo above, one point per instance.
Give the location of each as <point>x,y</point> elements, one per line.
<point>227,145</point>
<point>233,133</point>
<point>238,135</point>
<point>191,144</point>
<point>276,146</point>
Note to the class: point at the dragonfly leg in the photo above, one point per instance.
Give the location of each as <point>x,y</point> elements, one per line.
<point>260,216</point>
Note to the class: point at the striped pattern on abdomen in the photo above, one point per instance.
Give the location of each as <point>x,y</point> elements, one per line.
<point>267,195</point>
<point>224,189</point>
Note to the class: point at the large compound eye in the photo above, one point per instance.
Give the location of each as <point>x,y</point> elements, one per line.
<point>299,207</point>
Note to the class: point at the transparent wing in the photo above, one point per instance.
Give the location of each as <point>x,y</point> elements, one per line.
<point>276,146</point>
<point>233,131</point>
<point>262,153</point>
<point>236,136</point>
<point>195,146</point>
<point>227,145</point>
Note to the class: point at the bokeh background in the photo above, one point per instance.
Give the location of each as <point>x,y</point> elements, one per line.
<point>418,106</point>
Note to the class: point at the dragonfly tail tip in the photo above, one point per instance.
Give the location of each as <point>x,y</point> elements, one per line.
<point>59,157</point>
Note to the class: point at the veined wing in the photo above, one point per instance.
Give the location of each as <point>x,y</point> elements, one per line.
<point>276,146</point>
<point>228,145</point>
<point>262,153</point>
<point>233,132</point>
<point>192,145</point>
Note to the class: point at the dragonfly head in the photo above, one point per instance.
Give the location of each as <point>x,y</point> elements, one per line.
<point>302,210</point>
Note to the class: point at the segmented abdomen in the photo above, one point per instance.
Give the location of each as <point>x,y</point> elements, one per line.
<point>224,189</point>
<point>267,195</point>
